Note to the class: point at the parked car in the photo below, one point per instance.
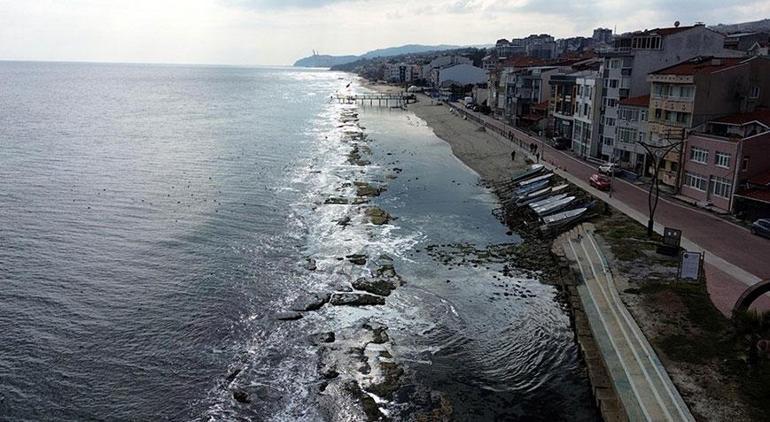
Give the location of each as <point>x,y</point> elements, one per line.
<point>608,168</point>
<point>761,227</point>
<point>561,143</point>
<point>599,181</point>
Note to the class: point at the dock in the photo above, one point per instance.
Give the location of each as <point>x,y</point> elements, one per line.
<point>387,100</point>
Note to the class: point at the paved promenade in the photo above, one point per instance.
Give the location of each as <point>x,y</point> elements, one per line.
<point>638,377</point>
<point>734,257</point>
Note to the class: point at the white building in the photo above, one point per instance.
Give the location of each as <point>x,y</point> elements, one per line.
<point>401,72</point>
<point>443,61</point>
<point>587,117</point>
<point>459,74</point>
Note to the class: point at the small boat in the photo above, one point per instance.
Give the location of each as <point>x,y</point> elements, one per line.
<point>564,217</point>
<point>525,190</point>
<point>548,200</point>
<point>539,194</point>
<point>535,179</point>
<point>554,206</point>
<point>531,171</point>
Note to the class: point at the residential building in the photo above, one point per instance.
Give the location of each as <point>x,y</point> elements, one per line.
<point>724,154</point>
<point>636,54</point>
<point>441,62</point>
<point>458,75</point>
<point>743,41</point>
<point>541,46</point>
<point>402,72</point>
<point>602,35</point>
<point>631,128</point>
<point>689,94</point>
<point>562,105</point>
<point>524,88</point>
<point>587,116</point>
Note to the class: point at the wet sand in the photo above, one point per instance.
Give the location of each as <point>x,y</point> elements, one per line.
<point>486,153</point>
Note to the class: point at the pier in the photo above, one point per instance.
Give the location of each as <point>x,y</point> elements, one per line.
<point>387,100</point>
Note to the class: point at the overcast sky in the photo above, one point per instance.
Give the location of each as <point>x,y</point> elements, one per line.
<point>280,31</point>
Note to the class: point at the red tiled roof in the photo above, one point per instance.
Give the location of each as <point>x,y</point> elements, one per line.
<point>701,65</point>
<point>522,61</point>
<point>762,179</point>
<point>762,195</point>
<point>641,101</point>
<point>761,115</point>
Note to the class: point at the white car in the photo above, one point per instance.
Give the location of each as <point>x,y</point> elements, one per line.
<point>608,168</point>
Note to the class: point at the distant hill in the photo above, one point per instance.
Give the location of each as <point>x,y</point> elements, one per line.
<point>406,49</point>
<point>324,61</point>
<point>330,61</point>
<point>755,26</point>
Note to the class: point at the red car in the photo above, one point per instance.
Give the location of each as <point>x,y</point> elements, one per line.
<point>599,181</point>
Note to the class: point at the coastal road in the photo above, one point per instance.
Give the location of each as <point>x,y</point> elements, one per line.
<point>735,258</point>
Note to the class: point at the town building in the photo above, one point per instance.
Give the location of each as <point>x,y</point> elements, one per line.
<point>724,154</point>
<point>541,46</point>
<point>525,88</point>
<point>562,105</point>
<point>458,75</point>
<point>602,35</point>
<point>689,94</point>
<point>402,72</point>
<point>441,62</point>
<point>634,55</point>
<point>587,116</point>
<point>631,129</point>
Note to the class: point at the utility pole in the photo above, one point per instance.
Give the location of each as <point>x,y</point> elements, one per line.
<point>656,153</point>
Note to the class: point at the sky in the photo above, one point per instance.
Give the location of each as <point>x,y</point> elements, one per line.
<point>277,32</point>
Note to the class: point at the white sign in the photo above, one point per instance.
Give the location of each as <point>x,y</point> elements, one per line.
<point>689,268</point>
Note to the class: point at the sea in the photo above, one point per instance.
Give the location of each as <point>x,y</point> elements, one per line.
<point>156,221</point>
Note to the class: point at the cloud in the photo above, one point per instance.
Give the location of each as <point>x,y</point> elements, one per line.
<point>284,4</point>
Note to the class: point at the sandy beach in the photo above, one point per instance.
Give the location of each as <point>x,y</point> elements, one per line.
<point>487,154</point>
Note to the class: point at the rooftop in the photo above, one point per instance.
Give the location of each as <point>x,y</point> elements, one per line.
<point>760,115</point>
<point>761,195</point>
<point>701,65</point>
<point>641,101</point>
<point>663,32</point>
<point>762,179</point>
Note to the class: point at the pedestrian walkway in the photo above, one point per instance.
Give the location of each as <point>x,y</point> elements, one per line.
<point>639,378</point>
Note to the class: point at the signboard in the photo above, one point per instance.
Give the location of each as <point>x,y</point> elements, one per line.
<point>671,237</point>
<point>690,265</point>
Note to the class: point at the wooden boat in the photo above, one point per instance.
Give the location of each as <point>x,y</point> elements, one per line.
<point>535,179</point>
<point>531,171</point>
<point>527,189</point>
<point>540,194</point>
<point>554,206</point>
<point>546,201</point>
<point>564,217</point>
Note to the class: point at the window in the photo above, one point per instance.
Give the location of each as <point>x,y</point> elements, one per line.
<point>695,181</point>
<point>614,64</point>
<point>643,115</point>
<point>627,135</point>
<point>613,83</point>
<point>721,187</point>
<point>610,102</point>
<point>607,141</point>
<point>609,121</point>
<point>722,159</point>
<point>699,155</point>
<point>754,94</point>
<point>686,91</point>
<point>745,164</point>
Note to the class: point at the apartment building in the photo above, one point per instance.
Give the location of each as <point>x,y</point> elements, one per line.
<point>631,128</point>
<point>402,72</point>
<point>634,55</point>
<point>689,94</point>
<point>724,154</point>
<point>525,88</point>
<point>587,115</point>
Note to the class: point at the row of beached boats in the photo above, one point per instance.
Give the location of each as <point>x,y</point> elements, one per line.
<point>552,205</point>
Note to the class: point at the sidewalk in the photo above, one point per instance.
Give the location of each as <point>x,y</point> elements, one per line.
<point>734,257</point>
<point>639,378</point>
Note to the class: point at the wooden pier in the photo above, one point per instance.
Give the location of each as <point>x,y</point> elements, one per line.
<point>387,100</point>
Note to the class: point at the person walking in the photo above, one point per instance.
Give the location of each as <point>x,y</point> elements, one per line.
<point>513,156</point>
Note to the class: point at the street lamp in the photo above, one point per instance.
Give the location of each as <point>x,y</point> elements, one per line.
<point>657,152</point>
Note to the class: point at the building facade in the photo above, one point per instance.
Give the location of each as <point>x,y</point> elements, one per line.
<point>689,94</point>
<point>724,155</point>
<point>587,116</point>
<point>631,129</point>
<point>634,55</point>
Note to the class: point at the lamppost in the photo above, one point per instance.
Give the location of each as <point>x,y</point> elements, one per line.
<point>656,153</point>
